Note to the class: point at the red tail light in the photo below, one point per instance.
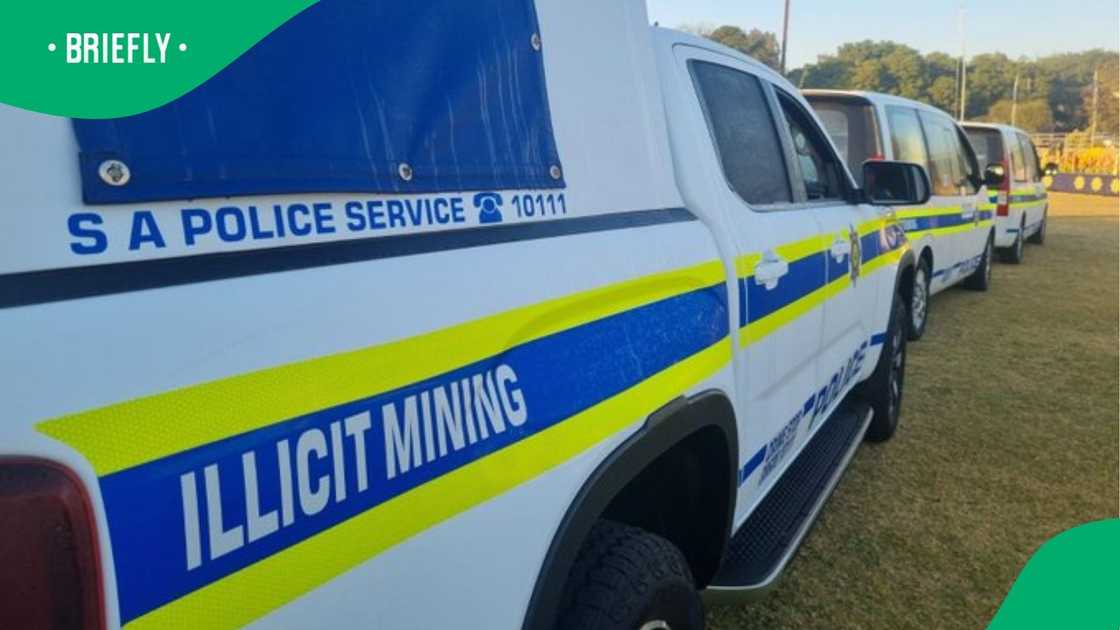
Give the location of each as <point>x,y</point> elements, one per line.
<point>875,158</point>
<point>1003,197</point>
<point>50,575</point>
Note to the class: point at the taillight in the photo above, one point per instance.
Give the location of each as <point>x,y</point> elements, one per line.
<point>1003,198</point>
<point>49,567</point>
<point>875,158</point>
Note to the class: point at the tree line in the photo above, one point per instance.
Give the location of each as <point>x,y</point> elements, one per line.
<point>1054,93</point>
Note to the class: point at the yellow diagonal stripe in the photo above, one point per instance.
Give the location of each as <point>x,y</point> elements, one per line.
<point>760,328</point>
<point>884,260</point>
<point>792,251</point>
<point>134,432</point>
<point>266,585</point>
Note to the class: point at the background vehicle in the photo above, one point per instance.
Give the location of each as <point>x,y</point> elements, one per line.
<point>427,351</point>
<point>1010,158</point>
<point>952,233</point>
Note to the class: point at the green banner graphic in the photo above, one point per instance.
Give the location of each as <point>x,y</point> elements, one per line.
<point>110,59</point>
<point>1072,581</point>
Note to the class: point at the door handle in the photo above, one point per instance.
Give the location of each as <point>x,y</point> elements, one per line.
<point>841,247</point>
<point>769,270</point>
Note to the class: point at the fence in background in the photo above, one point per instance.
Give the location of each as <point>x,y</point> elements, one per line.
<point>1079,152</point>
<point>1075,141</point>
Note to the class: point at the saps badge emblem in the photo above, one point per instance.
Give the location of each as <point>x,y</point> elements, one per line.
<point>856,256</point>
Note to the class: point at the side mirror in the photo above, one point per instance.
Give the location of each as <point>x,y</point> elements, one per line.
<point>887,183</point>
<point>1050,170</point>
<point>994,175</point>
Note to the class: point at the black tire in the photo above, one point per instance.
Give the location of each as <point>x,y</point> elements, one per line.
<point>625,578</point>
<point>1014,254</point>
<point>981,279</point>
<point>883,391</point>
<point>918,312</point>
<point>1039,237</point>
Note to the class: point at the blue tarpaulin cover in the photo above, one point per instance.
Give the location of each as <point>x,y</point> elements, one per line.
<point>337,99</point>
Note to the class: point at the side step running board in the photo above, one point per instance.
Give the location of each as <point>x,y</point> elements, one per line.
<point>760,550</point>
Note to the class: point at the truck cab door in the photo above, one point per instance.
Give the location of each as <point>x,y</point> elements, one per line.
<point>848,299</point>
<point>779,263</point>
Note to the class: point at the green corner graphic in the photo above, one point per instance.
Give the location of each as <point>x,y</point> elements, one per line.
<point>198,39</point>
<point>1072,581</point>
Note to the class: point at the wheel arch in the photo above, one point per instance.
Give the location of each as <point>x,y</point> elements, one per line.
<point>904,277</point>
<point>927,254</point>
<point>687,432</point>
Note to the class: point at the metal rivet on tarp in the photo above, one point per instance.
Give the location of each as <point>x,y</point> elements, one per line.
<point>405,171</point>
<point>535,41</point>
<point>114,172</point>
<point>554,171</point>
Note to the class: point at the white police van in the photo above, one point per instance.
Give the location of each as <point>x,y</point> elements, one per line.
<point>952,234</point>
<point>547,319</point>
<point>1017,192</point>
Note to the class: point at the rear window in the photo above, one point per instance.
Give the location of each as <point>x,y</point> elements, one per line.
<point>743,129</point>
<point>988,145</point>
<point>851,125</point>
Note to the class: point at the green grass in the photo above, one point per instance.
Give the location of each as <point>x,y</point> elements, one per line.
<point>1009,435</point>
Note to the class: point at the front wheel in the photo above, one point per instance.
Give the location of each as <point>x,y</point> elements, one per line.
<point>919,302</point>
<point>1039,237</point>
<point>625,578</point>
<point>883,391</point>
<point>1014,254</point>
<point>981,279</point>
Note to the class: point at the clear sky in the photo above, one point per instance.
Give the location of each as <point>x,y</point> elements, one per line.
<point>1013,27</point>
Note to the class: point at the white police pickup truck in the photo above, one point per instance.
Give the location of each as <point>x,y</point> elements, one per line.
<point>952,235</point>
<point>537,318</point>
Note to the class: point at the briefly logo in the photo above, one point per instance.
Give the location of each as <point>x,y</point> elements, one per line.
<point>856,256</point>
<point>117,48</point>
<point>489,206</point>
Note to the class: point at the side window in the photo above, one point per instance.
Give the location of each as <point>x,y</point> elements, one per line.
<point>1018,161</point>
<point>907,144</point>
<point>1030,159</point>
<point>946,171</point>
<point>820,169</point>
<point>743,130</point>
